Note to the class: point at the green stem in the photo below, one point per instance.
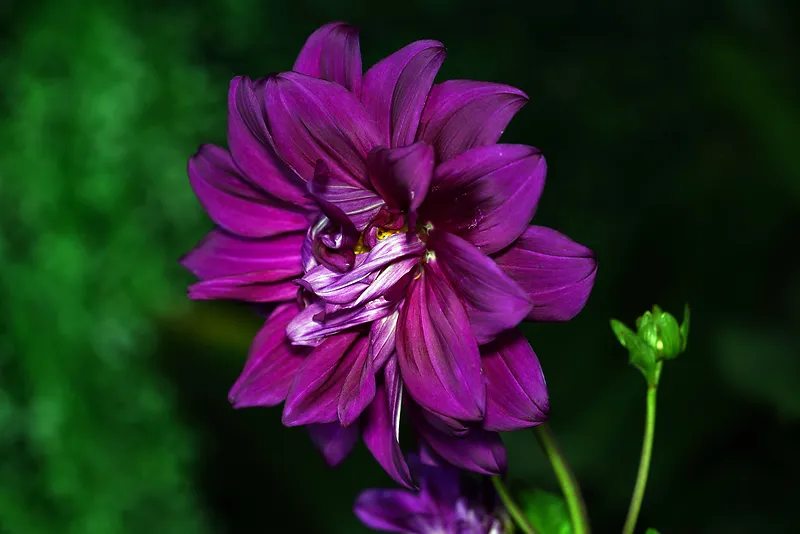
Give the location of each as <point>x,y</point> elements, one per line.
<point>513,510</point>
<point>566,479</point>
<point>644,462</point>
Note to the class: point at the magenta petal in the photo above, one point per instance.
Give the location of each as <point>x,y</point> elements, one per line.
<point>487,195</point>
<point>271,364</point>
<point>382,426</point>
<point>402,175</point>
<point>338,199</point>
<point>313,323</point>
<point>221,254</point>
<point>557,273</point>
<point>479,451</point>
<point>516,392</point>
<point>358,389</point>
<point>463,114</point>
<point>312,119</point>
<point>381,339</point>
<point>250,144</point>
<point>233,203</point>
<point>332,53</point>
<point>248,288</point>
<point>314,394</point>
<point>494,302</point>
<point>394,90</point>
<point>437,351</point>
<point>333,440</point>
<point>394,510</point>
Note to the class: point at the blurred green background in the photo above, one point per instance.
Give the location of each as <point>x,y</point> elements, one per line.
<point>671,131</point>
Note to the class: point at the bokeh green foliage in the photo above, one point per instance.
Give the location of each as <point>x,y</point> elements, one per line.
<point>670,135</point>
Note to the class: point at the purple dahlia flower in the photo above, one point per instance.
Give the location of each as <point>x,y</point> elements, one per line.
<point>390,231</point>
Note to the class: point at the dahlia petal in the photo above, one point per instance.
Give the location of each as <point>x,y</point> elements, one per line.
<point>333,440</point>
<point>516,392</point>
<point>333,53</point>
<point>387,279</point>
<point>463,114</point>
<point>233,203</point>
<point>250,144</point>
<point>494,302</point>
<point>314,393</point>
<point>358,389</point>
<point>402,175</point>
<point>487,195</point>
<point>437,351</point>
<point>479,451</point>
<point>339,199</point>
<point>271,363</point>
<point>381,339</point>
<point>392,510</point>
<point>382,426</point>
<point>250,287</point>
<point>313,323</point>
<point>394,90</point>
<point>221,254</point>
<point>556,272</point>
<point>312,119</point>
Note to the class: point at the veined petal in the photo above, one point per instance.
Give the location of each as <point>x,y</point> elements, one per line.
<point>382,426</point>
<point>381,339</point>
<point>494,302</point>
<point>315,391</point>
<point>358,204</point>
<point>232,202</point>
<point>333,440</point>
<point>516,392</point>
<point>271,363</point>
<point>221,254</point>
<point>402,175</point>
<point>312,119</point>
<point>250,144</point>
<point>250,287</point>
<point>463,114</point>
<point>479,451</point>
<point>313,324</point>
<point>394,90</point>
<point>437,351</point>
<point>557,273</point>
<point>333,53</point>
<point>358,389</point>
<point>487,195</point>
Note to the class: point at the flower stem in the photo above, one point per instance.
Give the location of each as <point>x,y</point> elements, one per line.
<point>566,478</point>
<point>513,510</point>
<point>644,462</point>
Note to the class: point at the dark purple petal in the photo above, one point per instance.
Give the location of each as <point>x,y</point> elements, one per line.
<point>339,199</point>
<point>555,271</point>
<point>382,426</point>
<point>312,119</point>
<point>250,287</point>
<point>314,394</point>
<point>271,364</point>
<point>402,175</point>
<point>494,302</point>
<point>358,389</point>
<point>479,451</point>
<point>233,203</point>
<point>487,195</point>
<point>221,254</point>
<point>437,351</point>
<point>394,90</point>
<point>516,392</point>
<point>250,144</point>
<point>315,323</point>
<point>333,440</point>
<point>381,339</point>
<point>394,511</point>
<point>463,114</point>
<point>332,53</point>
<point>388,279</point>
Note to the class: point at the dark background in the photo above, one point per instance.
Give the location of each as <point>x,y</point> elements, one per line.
<point>671,132</point>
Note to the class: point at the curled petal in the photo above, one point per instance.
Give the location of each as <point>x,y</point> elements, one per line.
<point>487,195</point>
<point>333,53</point>
<point>333,440</point>
<point>250,144</point>
<point>516,392</point>
<point>358,389</point>
<point>313,323</point>
<point>232,202</point>
<point>314,394</point>
<point>494,302</point>
<point>381,339</point>
<point>394,90</point>
<point>271,364</point>
<point>557,273</point>
<point>312,119</point>
<point>437,351</point>
<point>402,175</point>
<point>340,200</point>
<point>463,114</point>
<point>382,426</point>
